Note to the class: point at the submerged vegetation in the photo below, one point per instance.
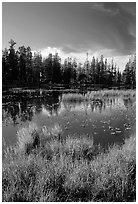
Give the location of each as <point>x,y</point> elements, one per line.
<point>44,166</point>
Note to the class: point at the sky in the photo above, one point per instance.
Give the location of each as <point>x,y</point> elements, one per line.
<point>72,28</point>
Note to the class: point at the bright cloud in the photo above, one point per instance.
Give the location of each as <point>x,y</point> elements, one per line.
<point>81,56</point>
<point>120,61</point>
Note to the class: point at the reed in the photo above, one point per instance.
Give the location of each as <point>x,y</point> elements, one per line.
<point>69,169</point>
<point>92,95</point>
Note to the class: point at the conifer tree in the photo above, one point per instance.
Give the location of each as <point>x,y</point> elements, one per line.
<point>13,61</point>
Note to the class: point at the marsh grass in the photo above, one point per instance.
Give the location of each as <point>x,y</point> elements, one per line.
<point>73,97</point>
<point>111,93</point>
<point>68,169</point>
<point>92,95</point>
<point>27,136</point>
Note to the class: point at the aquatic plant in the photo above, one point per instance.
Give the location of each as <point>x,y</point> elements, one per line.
<point>92,95</point>
<point>111,93</point>
<point>28,138</point>
<point>55,130</point>
<point>73,97</point>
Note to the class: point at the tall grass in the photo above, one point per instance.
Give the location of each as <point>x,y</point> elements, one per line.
<point>111,93</point>
<point>71,97</point>
<point>69,169</point>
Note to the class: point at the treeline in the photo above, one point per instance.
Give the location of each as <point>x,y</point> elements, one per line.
<point>21,67</point>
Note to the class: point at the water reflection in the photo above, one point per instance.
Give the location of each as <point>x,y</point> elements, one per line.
<point>22,107</point>
<point>128,102</point>
<point>103,119</point>
<point>26,105</point>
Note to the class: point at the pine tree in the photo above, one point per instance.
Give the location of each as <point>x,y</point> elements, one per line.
<point>6,72</point>
<point>13,62</point>
<point>22,65</point>
<point>93,71</point>
<point>56,67</point>
<point>129,73</point>
<point>48,69</point>
<point>37,67</point>
<point>29,65</point>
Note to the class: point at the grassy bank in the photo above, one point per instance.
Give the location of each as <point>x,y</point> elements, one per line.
<point>112,93</point>
<point>92,95</point>
<point>46,167</point>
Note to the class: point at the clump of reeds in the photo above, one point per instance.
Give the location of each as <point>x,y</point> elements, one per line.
<point>28,138</point>
<point>73,97</point>
<point>32,138</point>
<point>111,93</point>
<point>92,95</point>
<point>71,169</point>
<point>52,131</point>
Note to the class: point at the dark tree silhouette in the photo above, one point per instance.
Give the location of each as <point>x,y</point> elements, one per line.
<point>21,67</point>
<point>129,73</point>
<point>13,62</point>
<point>56,67</point>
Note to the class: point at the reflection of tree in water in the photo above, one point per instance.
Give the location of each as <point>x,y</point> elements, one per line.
<point>24,106</point>
<point>51,101</point>
<point>97,105</point>
<point>69,105</point>
<point>128,102</point>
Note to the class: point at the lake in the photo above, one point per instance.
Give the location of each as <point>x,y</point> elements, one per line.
<point>108,120</point>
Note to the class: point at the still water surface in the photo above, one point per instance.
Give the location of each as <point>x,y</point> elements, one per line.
<point>109,120</point>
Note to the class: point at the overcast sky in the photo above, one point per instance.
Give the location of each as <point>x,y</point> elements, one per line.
<point>72,28</point>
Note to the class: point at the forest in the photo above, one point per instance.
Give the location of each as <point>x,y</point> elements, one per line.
<point>23,68</point>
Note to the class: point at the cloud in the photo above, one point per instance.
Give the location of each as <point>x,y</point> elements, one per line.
<point>81,56</point>
<point>105,52</point>
<point>101,7</point>
<point>120,61</point>
<point>45,52</point>
<point>129,7</point>
<point>111,54</point>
